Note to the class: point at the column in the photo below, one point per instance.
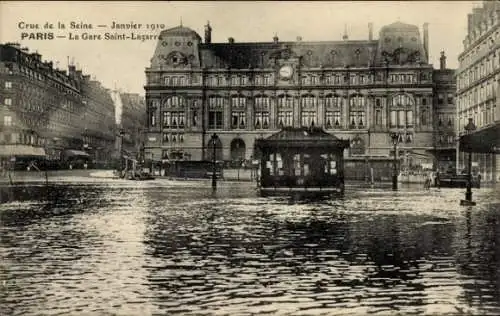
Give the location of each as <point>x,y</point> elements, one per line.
<point>296,111</point>
<point>384,112</point>
<point>496,168</point>
<point>227,113</point>
<point>345,110</point>
<point>368,111</point>
<point>250,111</point>
<point>273,111</point>
<point>321,110</point>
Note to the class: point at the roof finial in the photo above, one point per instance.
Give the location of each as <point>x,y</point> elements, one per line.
<point>181,21</point>
<point>345,37</point>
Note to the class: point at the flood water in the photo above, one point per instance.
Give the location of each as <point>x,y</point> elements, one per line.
<point>112,247</point>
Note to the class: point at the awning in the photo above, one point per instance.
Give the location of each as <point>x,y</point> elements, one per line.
<point>482,140</point>
<point>73,153</point>
<point>21,151</point>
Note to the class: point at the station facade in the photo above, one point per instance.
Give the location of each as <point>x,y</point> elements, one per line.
<point>360,90</point>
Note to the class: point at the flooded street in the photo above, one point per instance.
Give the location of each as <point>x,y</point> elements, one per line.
<point>112,247</point>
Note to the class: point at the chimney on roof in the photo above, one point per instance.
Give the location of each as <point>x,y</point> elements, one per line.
<point>470,23</point>
<point>36,56</point>
<point>442,61</point>
<point>299,38</point>
<point>208,33</point>
<point>230,40</point>
<point>426,40</point>
<point>275,38</point>
<point>345,37</point>
<point>71,71</point>
<point>370,31</point>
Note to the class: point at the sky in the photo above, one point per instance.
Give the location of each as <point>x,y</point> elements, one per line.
<point>121,64</point>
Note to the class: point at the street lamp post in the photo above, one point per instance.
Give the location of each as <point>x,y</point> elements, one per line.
<point>468,193</point>
<point>122,133</point>
<point>213,139</point>
<point>394,138</point>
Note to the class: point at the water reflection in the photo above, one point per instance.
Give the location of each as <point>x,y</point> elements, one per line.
<point>173,248</point>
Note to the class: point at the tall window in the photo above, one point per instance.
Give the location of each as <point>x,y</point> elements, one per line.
<point>215,112</point>
<point>262,108</point>
<point>329,79</point>
<point>173,114</point>
<point>194,118</point>
<point>409,118</point>
<point>357,111</point>
<point>309,110</point>
<point>424,117</point>
<point>378,117</point>
<point>152,118</point>
<point>285,110</point>
<point>333,105</point>
<point>238,112</point>
<point>451,98</point>
<point>8,85</point>
<point>235,80</point>
<point>7,120</point>
<point>440,99</point>
<point>173,119</point>
<point>401,110</point>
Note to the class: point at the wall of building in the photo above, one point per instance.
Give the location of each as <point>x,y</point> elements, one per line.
<point>44,107</point>
<point>363,91</point>
<point>478,79</point>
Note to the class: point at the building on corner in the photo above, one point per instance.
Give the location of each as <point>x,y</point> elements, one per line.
<point>52,115</point>
<point>478,87</point>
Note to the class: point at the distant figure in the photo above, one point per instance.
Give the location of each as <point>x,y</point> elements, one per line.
<point>427,182</point>
<point>70,166</point>
<point>85,165</point>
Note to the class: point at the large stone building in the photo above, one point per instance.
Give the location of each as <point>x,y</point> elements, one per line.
<point>478,78</point>
<point>361,90</point>
<point>50,113</point>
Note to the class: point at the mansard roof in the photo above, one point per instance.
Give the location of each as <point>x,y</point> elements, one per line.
<point>180,31</point>
<point>399,26</point>
<point>313,54</point>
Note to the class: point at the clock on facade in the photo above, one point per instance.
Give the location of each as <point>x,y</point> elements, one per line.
<point>286,72</point>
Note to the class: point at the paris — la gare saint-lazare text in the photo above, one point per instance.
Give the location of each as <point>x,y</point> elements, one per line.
<point>73,30</point>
